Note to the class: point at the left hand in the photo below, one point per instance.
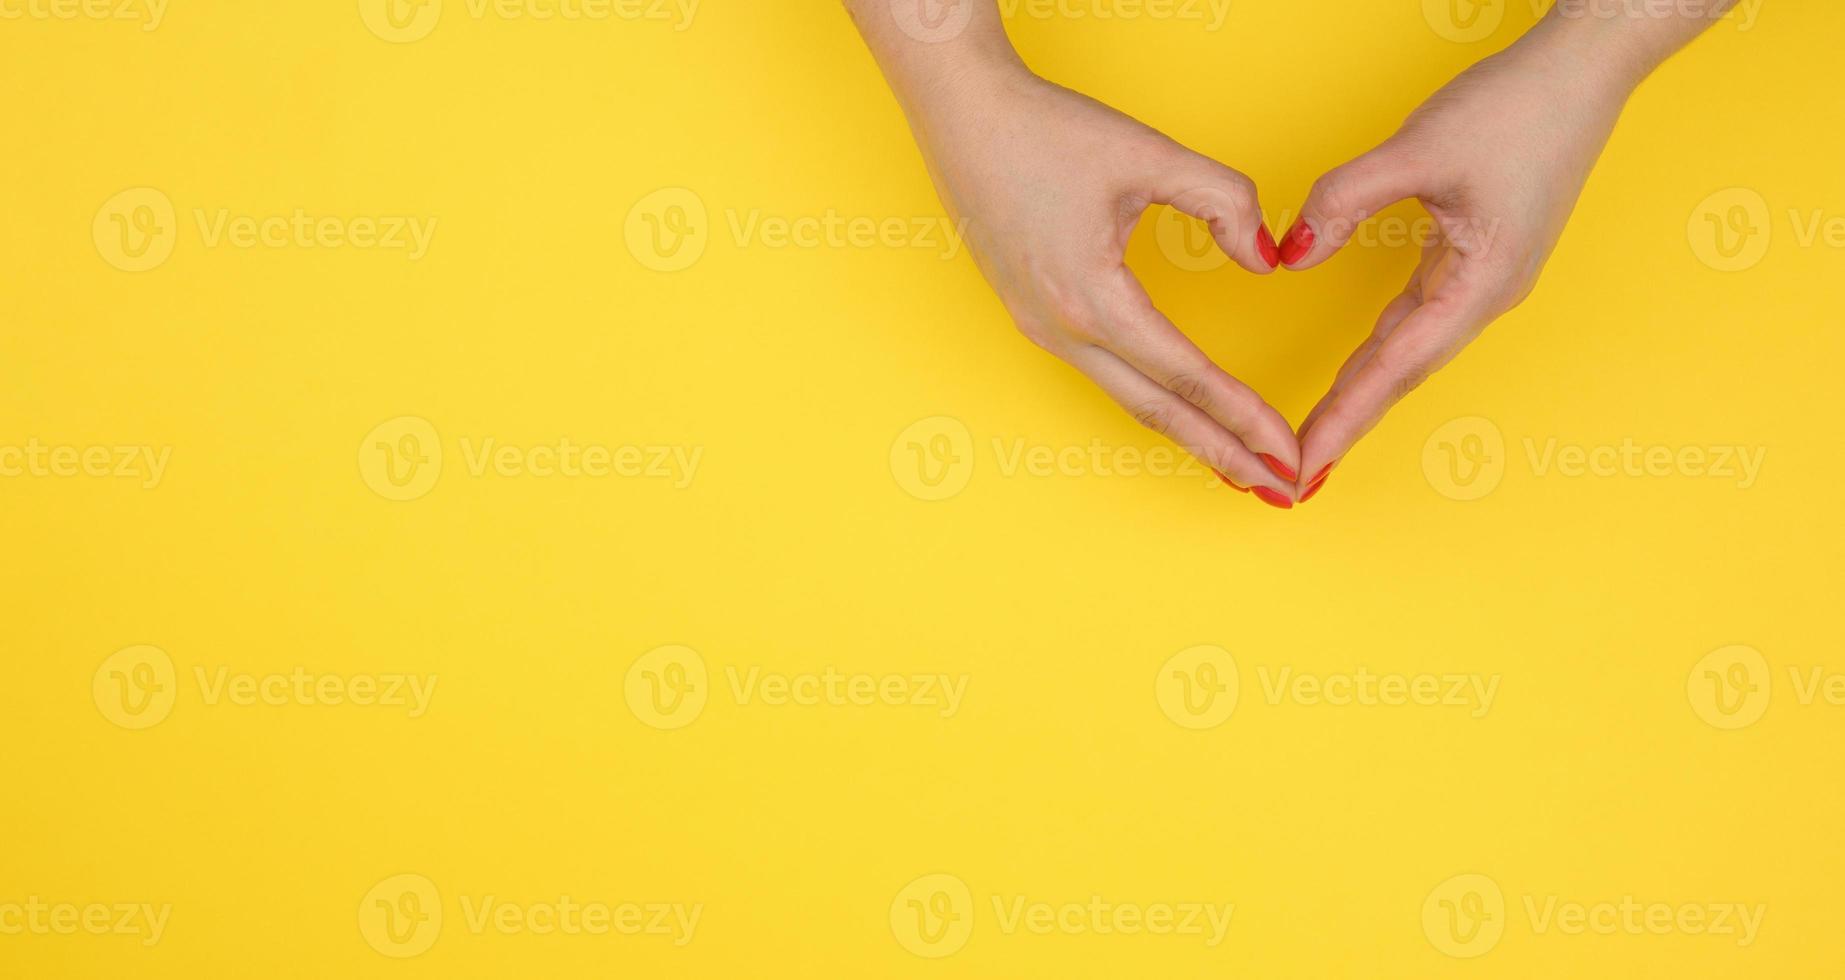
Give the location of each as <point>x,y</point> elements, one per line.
<point>1498,157</point>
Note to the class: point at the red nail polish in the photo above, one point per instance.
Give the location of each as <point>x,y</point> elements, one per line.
<point>1313,489</point>
<point>1229,482</point>
<point>1272,498</point>
<point>1297,244</point>
<point>1281,469</point>
<point>1265,244</point>
<point>1321,475</point>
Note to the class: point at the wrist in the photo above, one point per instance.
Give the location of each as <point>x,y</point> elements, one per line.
<point>1600,57</point>
<point>927,59</point>
<point>1619,44</point>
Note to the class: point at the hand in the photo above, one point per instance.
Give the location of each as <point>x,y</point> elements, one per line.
<point>1051,184</point>
<point>1498,158</point>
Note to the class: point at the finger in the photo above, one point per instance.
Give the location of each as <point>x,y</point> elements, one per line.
<point>1138,333</point>
<point>1225,200</point>
<point>1183,423</point>
<point>1387,322</point>
<point>1426,339</point>
<point>1393,315</point>
<point>1345,198</point>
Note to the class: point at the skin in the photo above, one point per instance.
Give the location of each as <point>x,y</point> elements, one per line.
<point>1051,185</point>
<point>1498,157</point>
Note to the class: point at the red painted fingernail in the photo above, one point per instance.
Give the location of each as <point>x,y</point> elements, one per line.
<point>1229,482</point>
<point>1281,469</point>
<point>1273,498</point>
<point>1313,489</point>
<point>1265,244</point>
<point>1297,244</point>
<point>1321,475</point>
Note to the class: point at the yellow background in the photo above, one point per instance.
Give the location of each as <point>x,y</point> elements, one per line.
<point>798,545</point>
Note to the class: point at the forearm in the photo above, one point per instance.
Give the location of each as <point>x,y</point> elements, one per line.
<point>1623,41</point>
<point>932,58</point>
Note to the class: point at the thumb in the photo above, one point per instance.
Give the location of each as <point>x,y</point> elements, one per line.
<point>1344,198</point>
<point>1225,200</point>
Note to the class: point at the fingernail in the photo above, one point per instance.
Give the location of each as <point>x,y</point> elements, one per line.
<point>1321,475</point>
<point>1281,469</point>
<point>1297,244</point>
<point>1229,482</point>
<point>1315,488</point>
<point>1265,244</point>
<point>1273,498</point>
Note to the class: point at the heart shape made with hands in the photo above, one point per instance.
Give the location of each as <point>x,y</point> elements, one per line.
<point>1419,330</point>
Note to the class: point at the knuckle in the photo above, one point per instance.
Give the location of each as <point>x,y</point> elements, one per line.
<point>1332,193</point>
<point>1192,388</point>
<point>1041,334</point>
<point>1157,416</point>
<point>1068,306</point>
<point>1406,372</point>
<point>1406,383</point>
<point>1241,192</point>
